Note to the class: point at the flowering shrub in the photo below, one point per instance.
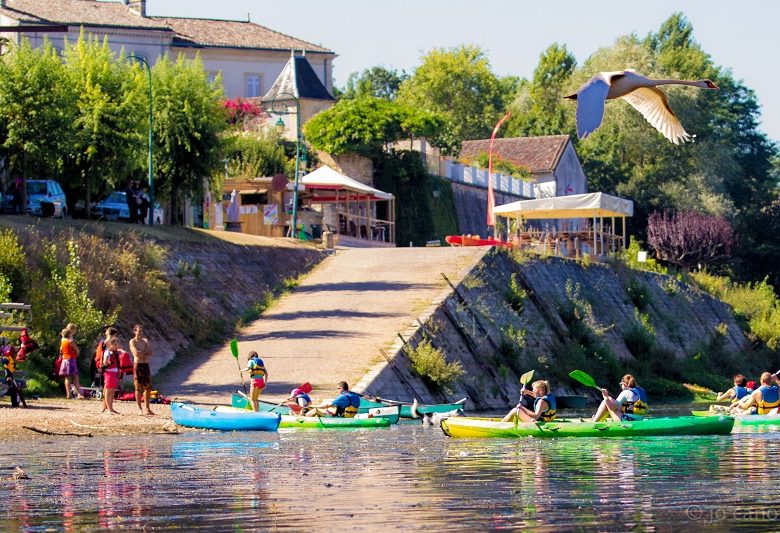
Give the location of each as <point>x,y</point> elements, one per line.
<point>240,110</point>
<point>688,238</point>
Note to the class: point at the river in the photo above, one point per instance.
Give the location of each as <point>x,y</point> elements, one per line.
<point>403,478</point>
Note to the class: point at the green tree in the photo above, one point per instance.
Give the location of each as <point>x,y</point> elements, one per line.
<point>36,105</point>
<point>539,108</point>
<point>107,141</point>
<point>366,125</point>
<point>379,82</point>
<point>252,154</point>
<point>457,84</point>
<point>188,119</point>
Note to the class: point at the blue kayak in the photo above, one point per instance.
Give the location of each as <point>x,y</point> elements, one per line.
<point>194,417</point>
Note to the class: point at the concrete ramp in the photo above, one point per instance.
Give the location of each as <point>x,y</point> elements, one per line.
<point>333,325</point>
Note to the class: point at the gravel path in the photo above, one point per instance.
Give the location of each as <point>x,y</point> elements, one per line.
<point>331,327</point>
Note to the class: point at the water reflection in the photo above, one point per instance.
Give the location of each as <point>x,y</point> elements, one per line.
<point>404,477</point>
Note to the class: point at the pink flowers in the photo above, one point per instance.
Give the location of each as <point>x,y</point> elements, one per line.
<point>239,110</point>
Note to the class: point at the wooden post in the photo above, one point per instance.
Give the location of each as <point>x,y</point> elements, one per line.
<point>624,234</point>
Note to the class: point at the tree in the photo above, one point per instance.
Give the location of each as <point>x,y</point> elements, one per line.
<point>109,125</point>
<point>458,85</point>
<point>379,82</point>
<point>539,108</point>
<point>251,154</point>
<point>366,125</point>
<point>188,118</point>
<point>689,238</point>
<point>36,105</point>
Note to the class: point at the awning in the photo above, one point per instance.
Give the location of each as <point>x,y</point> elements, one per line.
<point>328,179</point>
<point>595,204</point>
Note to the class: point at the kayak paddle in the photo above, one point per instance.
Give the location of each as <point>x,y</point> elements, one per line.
<point>234,351</point>
<point>526,378</point>
<point>585,379</point>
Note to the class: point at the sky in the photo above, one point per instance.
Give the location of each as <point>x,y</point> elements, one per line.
<point>366,33</point>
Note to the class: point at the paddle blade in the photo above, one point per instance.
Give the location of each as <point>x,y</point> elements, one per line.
<point>234,348</point>
<point>582,377</point>
<point>526,378</point>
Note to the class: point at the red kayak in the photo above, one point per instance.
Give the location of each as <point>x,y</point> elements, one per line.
<point>468,240</point>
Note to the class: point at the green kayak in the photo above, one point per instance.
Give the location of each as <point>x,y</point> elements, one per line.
<point>391,412</point>
<point>320,422</point>
<point>746,420</point>
<point>683,425</point>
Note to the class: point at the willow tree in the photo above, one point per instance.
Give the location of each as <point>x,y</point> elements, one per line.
<point>107,142</point>
<point>188,119</point>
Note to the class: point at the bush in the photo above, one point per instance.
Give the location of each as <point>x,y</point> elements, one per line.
<point>515,295</point>
<point>13,265</point>
<point>431,366</point>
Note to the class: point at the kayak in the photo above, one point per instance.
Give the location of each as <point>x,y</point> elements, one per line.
<point>466,240</point>
<point>493,427</point>
<point>391,412</point>
<point>571,401</point>
<point>321,422</point>
<point>746,420</point>
<point>194,417</point>
<point>406,407</point>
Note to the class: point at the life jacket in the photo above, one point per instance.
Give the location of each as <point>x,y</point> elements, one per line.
<point>256,368</point>
<point>549,414</point>
<point>770,398</point>
<point>740,392</point>
<point>99,349</point>
<point>68,349</point>
<point>125,362</point>
<point>349,410</point>
<point>111,361</point>
<point>638,406</point>
<point>8,363</point>
<point>298,393</point>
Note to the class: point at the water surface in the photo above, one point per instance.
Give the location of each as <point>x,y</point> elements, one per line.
<point>404,477</point>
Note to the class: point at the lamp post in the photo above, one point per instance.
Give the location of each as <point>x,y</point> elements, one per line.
<point>151,137</point>
<point>282,109</point>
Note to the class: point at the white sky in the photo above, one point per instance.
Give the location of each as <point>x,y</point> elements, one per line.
<point>743,37</point>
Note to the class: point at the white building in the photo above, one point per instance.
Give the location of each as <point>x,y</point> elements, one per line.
<point>249,56</point>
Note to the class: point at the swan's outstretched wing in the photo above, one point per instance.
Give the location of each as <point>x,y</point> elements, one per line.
<point>652,103</point>
<point>590,105</point>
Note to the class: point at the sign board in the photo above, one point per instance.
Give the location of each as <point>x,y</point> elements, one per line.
<point>270,214</point>
<point>641,257</point>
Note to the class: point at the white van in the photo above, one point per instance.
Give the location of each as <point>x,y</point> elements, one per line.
<point>45,191</point>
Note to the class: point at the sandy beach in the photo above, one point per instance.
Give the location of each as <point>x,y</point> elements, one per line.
<point>60,418</point>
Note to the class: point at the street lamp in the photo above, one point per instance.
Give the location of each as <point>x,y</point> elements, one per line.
<point>151,138</point>
<point>282,109</point>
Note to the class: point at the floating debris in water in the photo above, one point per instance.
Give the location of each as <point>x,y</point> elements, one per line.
<point>19,474</point>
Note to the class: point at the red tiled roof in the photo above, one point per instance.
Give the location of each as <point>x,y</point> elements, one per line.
<point>233,34</point>
<point>78,13</point>
<point>538,154</point>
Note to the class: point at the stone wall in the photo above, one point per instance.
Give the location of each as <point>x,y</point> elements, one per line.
<point>469,323</point>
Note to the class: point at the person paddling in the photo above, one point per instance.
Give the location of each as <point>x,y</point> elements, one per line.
<point>299,398</point>
<point>259,376</point>
<point>543,407</point>
<point>345,404</point>
<point>630,404</point>
<point>763,400</point>
<point>737,392</point>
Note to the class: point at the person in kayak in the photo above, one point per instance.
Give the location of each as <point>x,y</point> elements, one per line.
<point>299,399</point>
<point>763,400</point>
<point>543,408</point>
<point>345,404</point>
<point>737,392</point>
<point>630,404</point>
<point>259,376</point>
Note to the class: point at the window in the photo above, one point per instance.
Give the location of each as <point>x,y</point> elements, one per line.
<point>252,83</point>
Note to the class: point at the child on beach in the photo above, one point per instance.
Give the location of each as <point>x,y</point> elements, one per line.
<point>69,367</point>
<point>259,376</point>
<point>110,374</point>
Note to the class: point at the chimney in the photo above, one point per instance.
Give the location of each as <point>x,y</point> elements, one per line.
<point>137,6</point>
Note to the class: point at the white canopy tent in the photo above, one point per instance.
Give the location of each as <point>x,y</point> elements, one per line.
<point>595,205</point>
<point>355,203</point>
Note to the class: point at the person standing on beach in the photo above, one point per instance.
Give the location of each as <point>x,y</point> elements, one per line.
<point>69,367</point>
<point>110,374</point>
<point>259,377</point>
<point>142,352</point>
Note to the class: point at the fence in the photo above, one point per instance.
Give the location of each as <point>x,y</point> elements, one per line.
<point>477,177</point>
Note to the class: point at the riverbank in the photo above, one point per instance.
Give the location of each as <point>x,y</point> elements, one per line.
<point>58,418</point>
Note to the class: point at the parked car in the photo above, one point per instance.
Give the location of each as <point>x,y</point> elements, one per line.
<point>45,191</point>
<point>114,207</point>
